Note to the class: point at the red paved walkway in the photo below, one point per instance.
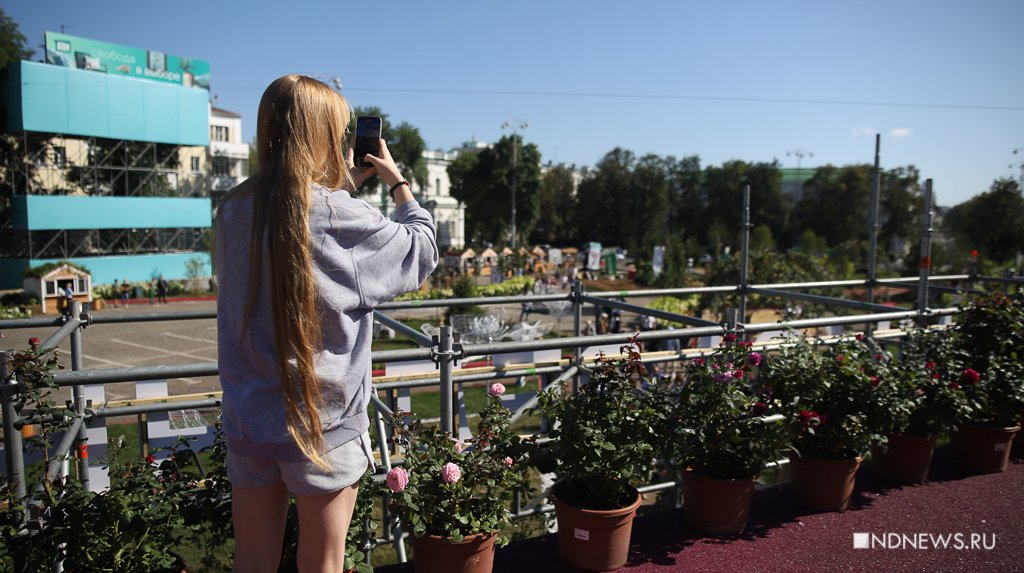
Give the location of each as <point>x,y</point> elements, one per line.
<point>784,537</point>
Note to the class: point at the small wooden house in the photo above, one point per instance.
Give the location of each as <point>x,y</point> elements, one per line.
<point>488,261</point>
<point>48,287</point>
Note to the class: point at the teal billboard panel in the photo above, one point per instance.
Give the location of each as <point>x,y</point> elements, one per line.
<point>114,59</point>
<point>55,212</point>
<point>52,99</point>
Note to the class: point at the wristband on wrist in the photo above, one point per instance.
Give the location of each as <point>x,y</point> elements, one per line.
<point>397,185</point>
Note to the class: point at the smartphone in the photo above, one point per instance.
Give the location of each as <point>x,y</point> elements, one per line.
<point>368,130</point>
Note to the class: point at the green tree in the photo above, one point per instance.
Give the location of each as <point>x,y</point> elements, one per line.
<point>648,223</point>
<point>483,181</point>
<point>602,198</point>
<point>900,205</point>
<point>836,203</point>
<point>556,222</point>
<point>992,222</point>
<point>13,45</point>
<point>687,203</point>
<point>724,191</point>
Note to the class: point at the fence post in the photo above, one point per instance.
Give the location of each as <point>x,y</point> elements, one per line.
<point>745,257</point>
<point>444,355</point>
<point>926,253</point>
<point>78,392</point>
<point>13,449</point>
<point>577,316</point>
<point>873,226</point>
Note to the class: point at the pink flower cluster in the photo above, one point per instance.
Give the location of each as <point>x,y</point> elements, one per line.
<point>496,390</point>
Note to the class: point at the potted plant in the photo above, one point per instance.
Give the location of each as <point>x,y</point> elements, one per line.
<point>454,495</point>
<point>719,436</point>
<point>990,336</point>
<point>605,434</point>
<point>835,414</point>
<point>922,398</point>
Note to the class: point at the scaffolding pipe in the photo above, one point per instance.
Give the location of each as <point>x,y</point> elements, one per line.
<point>873,226</point>
<point>78,396</point>
<point>926,249</point>
<point>823,299</point>
<point>644,311</point>
<point>745,255</point>
<point>418,337</point>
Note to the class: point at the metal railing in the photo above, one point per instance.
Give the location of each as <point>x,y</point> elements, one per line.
<point>445,350</point>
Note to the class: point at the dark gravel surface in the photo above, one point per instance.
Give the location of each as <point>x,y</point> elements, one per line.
<point>783,537</point>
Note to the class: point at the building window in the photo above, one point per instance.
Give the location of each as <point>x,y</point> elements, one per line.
<point>195,164</point>
<point>60,156</point>
<point>219,133</point>
<point>221,167</point>
<point>81,286</point>
<point>437,186</point>
<point>51,288</point>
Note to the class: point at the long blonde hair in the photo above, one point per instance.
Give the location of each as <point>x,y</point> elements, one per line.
<point>300,140</point>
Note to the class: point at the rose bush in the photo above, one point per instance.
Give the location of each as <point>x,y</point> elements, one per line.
<point>715,421</point>
<point>453,489</point>
<point>606,432</point>
<point>829,392</point>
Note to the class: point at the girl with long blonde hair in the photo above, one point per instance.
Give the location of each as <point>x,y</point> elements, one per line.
<point>301,263</point>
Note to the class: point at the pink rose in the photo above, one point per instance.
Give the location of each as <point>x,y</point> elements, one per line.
<point>496,390</point>
<point>451,473</point>
<point>458,447</point>
<point>754,359</point>
<point>397,479</point>
<point>508,462</point>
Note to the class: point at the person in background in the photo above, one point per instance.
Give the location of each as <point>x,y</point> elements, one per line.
<point>161,290</point>
<point>305,263</point>
<point>124,293</point>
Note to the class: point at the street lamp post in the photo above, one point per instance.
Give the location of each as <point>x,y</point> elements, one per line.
<point>515,126</point>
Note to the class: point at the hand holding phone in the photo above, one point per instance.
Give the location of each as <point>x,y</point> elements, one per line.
<point>368,134</point>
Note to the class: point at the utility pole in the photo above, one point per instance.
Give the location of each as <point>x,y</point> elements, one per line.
<point>515,126</point>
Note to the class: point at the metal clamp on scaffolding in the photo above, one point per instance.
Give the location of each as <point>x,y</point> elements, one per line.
<point>456,352</point>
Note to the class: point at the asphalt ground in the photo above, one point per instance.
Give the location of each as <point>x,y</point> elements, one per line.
<point>154,343</point>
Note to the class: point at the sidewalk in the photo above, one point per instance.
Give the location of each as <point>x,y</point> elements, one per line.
<point>783,537</point>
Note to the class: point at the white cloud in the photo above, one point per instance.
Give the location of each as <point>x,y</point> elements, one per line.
<point>864,131</point>
<point>900,132</point>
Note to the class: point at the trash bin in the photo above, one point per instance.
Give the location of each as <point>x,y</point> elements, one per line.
<point>138,292</point>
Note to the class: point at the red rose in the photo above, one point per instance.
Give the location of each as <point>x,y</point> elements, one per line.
<point>33,342</point>
<point>874,381</point>
<point>730,337</point>
<point>954,385</point>
<point>929,365</point>
<point>860,336</point>
<point>970,376</point>
<point>760,408</point>
<point>150,459</point>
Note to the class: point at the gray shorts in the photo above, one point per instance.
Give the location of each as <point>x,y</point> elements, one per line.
<point>348,464</point>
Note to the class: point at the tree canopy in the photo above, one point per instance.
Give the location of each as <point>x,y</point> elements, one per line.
<point>13,44</point>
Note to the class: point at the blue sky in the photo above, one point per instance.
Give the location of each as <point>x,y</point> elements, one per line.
<point>940,80</point>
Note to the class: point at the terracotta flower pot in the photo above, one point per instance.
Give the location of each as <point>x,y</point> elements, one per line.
<point>592,539</point>
<point>904,458</point>
<point>982,448</point>
<point>717,506</point>
<point>474,554</point>
<point>823,484</point>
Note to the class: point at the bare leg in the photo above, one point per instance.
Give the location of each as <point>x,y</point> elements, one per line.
<point>323,525</point>
<point>258,515</point>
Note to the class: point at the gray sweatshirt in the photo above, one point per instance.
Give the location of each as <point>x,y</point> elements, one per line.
<point>360,259</point>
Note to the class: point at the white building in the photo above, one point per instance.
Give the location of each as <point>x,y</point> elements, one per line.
<point>228,155</point>
<point>449,214</point>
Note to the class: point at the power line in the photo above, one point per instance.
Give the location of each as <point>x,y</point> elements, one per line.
<point>678,97</point>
